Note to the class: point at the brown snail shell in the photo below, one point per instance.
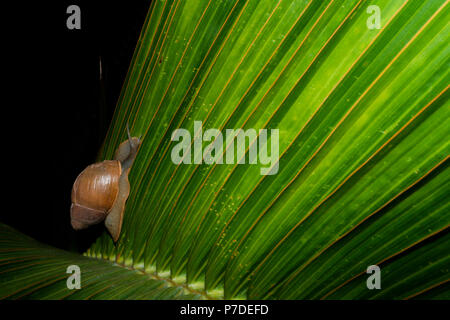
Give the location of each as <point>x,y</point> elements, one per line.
<point>101,190</point>
<point>94,192</point>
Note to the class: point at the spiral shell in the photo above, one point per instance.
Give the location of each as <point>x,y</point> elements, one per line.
<point>94,193</point>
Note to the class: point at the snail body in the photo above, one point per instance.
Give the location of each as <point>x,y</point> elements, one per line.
<point>100,191</point>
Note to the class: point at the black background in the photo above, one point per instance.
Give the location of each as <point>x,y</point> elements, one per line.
<point>56,110</point>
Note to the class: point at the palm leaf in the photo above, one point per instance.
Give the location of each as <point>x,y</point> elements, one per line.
<point>31,270</point>
<point>363,168</point>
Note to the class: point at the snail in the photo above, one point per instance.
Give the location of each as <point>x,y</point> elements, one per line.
<point>100,191</point>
